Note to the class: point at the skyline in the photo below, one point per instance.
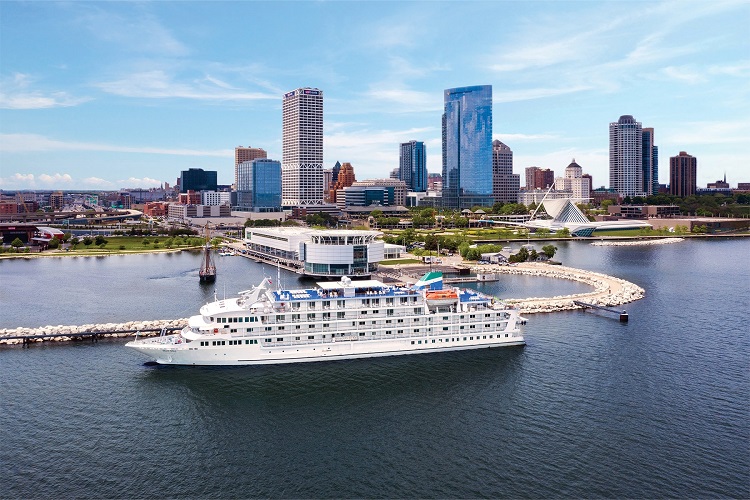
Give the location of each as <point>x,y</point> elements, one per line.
<point>117,95</point>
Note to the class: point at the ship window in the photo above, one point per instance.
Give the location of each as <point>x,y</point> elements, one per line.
<point>310,337</point>
<point>412,342</point>
<point>416,330</point>
<point>445,328</point>
<point>487,325</point>
<point>506,334</point>
<point>472,338</point>
<point>486,315</point>
<point>389,312</point>
<point>433,341</point>
<point>472,326</point>
<point>268,340</point>
<point>279,339</point>
<point>445,318</point>
<point>404,300</point>
<point>310,316</point>
<point>387,332</point>
<point>247,342</point>
<point>472,316</point>
<point>401,321</point>
<point>417,310</point>
<point>340,315</point>
<point>326,315</point>
<point>354,323</point>
<point>388,322</point>
<point>389,301</point>
<point>361,322</point>
<point>339,303</point>
<point>464,338</point>
<point>281,328</point>
<point>280,317</point>
<point>361,334</point>
<point>484,336</point>
<point>462,327</point>
<point>400,331</point>
<point>268,328</point>
<point>247,319</point>
<point>326,325</point>
<point>223,342</point>
<point>462,316</point>
<point>419,341</point>
<point>297,327</point>
<point>311,326</point>
<point>296,338</point>
<point>232,330</point>
<point>490,336</point>
<point>326,303</point>
<point>213,342</point>
<point>375,311</point>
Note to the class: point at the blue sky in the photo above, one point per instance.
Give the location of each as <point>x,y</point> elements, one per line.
<point>109,95</point>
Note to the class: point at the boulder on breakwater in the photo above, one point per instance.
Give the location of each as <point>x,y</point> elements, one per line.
<point>73,332</point>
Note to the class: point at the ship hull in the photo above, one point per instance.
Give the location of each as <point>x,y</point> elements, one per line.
<point>257,355</point>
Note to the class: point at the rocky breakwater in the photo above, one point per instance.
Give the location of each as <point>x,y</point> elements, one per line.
<point>62,333</point>
<point>660,241</point>
<point>608,290</point>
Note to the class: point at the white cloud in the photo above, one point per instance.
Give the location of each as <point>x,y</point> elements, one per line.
<point>25,143</point>
<point>55,179</point>
<point>708,132</point>
<point>154,84</point>
<point>140,32</point>
<point>16,93</point>
<point>97,182</point>
<point>133,182</point>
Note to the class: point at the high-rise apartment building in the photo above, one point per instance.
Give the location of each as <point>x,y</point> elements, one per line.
<point>650,163</point>
<point>683,174</point>
<point>467,147</point>
<point>539,178</point>
<point>259,185</point>
<point>242,153</point>
<point>505,184</point>
<point>412,165</point>
<point>302,147</point>
<point>626,156</point>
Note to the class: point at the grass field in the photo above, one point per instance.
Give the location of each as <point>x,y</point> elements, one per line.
<point>393,262</point>
<point>121,245</point>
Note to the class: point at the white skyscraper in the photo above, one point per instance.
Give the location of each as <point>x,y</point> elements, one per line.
<point>625,156</point>
<point>302,148</point>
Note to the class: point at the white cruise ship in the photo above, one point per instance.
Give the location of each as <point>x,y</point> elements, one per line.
<point>337,320</point>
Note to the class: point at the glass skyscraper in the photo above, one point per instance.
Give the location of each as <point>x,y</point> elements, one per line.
<point>467,147</point>
<point>413,165</point>
<point>259,185</point>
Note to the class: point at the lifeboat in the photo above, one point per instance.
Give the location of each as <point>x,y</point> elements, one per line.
<point>441,297</point>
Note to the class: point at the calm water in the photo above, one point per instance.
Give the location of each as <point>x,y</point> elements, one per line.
<point>659,407</point>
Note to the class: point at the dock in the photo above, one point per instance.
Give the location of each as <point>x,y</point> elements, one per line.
<point>623,315</point>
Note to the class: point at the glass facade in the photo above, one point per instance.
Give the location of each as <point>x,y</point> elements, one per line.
<point>197,179</point>
<point>467,147</point>
<point>413,165</point>
<point>259,185</point>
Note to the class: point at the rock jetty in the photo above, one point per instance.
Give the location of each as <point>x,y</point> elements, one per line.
<point>608,290</point>
<point>64,333</point>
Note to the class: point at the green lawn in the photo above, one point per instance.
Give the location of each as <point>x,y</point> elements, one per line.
<point>393,262</point>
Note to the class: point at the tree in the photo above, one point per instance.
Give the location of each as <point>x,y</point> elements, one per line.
<point>606,204</point>
<point>521,256</point>
<point>66,237</point>
<point>75,241</point>
<point>53,244</point>
<point>100,240</point>
<point>16,243</point>
<point>563,233</point>
<point>549,250</point>
<point>87,241</point>
<point>542,232</point>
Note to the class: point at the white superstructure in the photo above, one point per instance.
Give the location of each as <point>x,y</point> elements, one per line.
<point>336,320</point>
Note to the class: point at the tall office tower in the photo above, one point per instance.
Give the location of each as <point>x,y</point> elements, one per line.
<point>538,178</point>
<point>467,147</point>
<point>412,165</point>
<point>335,173</point>
<point>650,163</point>
<point>246,154</point>
<point>505,184</point>
<point>346,178</point>
<point>302,147</point>
<point>626,156</point>
<point>197,179</point>
<point>259,185</point>
<point>682,174</point>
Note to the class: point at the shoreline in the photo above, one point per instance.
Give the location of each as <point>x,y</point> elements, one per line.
<point>76,254</point>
